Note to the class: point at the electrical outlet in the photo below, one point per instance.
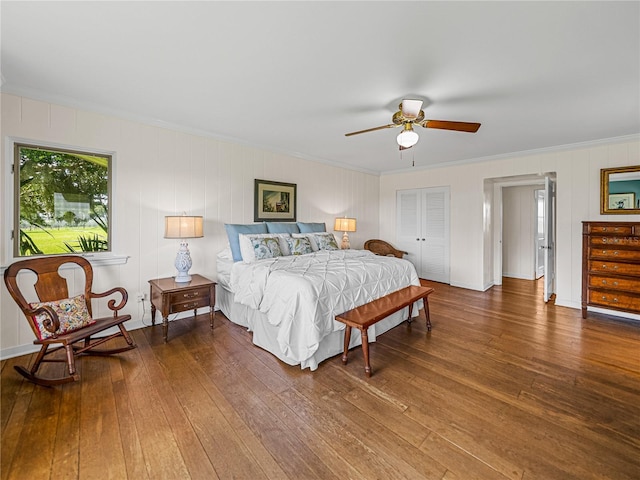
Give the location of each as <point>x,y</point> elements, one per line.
<point>141,297</point>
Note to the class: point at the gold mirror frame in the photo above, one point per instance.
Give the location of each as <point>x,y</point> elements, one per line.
<point>628,202</point>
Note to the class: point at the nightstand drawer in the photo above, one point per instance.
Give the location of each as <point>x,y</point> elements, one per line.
<point>189,305</point>
<point>190,296</point>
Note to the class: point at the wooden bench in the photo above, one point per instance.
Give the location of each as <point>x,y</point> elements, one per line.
<point>364,316</point>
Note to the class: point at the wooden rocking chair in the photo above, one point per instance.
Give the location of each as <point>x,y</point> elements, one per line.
<point>61,322</point>
<point>380,247</point>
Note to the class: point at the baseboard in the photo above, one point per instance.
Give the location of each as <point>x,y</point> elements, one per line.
<point>28,348</point>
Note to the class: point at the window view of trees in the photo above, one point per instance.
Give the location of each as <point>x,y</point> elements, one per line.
<point>63,199</point>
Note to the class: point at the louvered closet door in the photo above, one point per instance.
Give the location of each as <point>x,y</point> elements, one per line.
<point>435,238</point>
<point>423,230</point>
<point>409,226</point>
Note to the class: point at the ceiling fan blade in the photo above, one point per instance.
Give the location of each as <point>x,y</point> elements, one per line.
<point>391,125</point>
<point>404,148</point>
<point>410,108</point>
<point>446,125</point>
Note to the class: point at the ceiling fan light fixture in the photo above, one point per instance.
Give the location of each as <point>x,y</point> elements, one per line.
<point>407,138</point>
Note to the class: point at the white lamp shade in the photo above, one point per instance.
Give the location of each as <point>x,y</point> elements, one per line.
<point>183,227</point>
<point>407,138</point>
<point>345,225</point>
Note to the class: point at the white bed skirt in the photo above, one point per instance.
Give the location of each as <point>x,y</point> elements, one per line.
<point>265,334</point>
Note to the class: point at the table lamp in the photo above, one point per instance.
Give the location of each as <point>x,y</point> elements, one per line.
<point>345,225</point>
<point>183,227</point>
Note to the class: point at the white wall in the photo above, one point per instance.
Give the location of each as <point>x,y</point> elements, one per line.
<point>518,217</point>
<point>578,199</point>
<point>159,172</point>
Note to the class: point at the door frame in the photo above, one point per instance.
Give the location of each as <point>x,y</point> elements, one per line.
<point>498,184</point>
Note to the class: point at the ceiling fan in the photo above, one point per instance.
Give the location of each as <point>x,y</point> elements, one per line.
<point>411,114</point>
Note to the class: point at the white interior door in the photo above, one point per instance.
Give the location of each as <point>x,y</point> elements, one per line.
<point>540,234</point>
<point>423,230</point>
<point>409,227</point>
<point>550,238</point>
<point>435,234</point>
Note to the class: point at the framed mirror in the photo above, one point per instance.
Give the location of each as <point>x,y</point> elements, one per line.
<point>620,190</point>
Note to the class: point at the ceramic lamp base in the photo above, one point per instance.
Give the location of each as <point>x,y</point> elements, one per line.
<point>183,263</point>
<point>346,245</point>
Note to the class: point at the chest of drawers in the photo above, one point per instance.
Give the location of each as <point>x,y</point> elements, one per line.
<point>611,266</point>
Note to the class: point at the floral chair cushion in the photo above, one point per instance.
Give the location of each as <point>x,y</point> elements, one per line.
<point>72,313</point>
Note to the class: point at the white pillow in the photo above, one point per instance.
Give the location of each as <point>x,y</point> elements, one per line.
<point>225,254</point>
<point>246,248</point>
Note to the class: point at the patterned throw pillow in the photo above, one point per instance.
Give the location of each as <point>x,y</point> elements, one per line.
<point>326,241</point>
<point>266,247</point>
<point>246,245</point>
<point>299,245</point>
<point>72,313</point>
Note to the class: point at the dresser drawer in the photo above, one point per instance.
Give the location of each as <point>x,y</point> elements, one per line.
<point>190,295</point>
<point>628,284</point>
<point>598,266</point>
<point>611,253</point>
<point>615,299</point>
<point>615,229</point>
<point>633,242</point>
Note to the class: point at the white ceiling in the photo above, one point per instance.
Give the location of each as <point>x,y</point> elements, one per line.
<point>294,77</point>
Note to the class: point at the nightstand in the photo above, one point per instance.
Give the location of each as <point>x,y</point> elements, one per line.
<point>171,297</point>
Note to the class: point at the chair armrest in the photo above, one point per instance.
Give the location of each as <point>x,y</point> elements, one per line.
<point>112,303</point>
<point>52,324</point>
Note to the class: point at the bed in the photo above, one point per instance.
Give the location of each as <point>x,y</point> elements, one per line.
<point>289,302</point>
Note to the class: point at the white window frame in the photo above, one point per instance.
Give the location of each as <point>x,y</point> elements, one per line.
<point>9,197</point>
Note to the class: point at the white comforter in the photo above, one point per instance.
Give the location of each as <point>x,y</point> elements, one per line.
<point>302,294</point>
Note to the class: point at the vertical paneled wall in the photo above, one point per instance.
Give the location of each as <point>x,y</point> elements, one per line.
<point>577,199</point>
<point>161,172</point>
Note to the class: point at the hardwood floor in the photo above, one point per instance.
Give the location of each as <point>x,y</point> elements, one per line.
<point>504,387</point>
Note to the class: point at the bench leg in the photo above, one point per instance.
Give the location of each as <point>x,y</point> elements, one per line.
<point>410,319</point>
<point>347,340</point>
<point>365,352</point>
<point>426,313</point>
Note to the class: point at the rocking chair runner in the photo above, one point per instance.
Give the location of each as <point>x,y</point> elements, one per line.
<point>49,322</point>
<point>380,247</point>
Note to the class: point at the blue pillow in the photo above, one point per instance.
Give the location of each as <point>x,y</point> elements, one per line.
<point>234,241</point>
<point>311,227</point>
<point>282,227</point>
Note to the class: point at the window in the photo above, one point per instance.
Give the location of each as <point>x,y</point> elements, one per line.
<point>62,201</point>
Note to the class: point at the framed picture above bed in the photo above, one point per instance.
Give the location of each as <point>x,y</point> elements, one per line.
<point>274,201</point>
